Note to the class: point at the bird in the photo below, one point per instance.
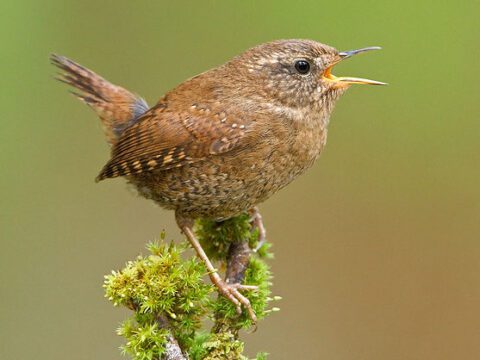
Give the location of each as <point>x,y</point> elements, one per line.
<point>223,141</point>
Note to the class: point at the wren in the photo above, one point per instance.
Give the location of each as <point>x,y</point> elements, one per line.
<point>225,140</point>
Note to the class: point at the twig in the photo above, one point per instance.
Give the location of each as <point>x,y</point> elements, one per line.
<point>173,351</point>
<point>172,348</point>
<point>237,262</point>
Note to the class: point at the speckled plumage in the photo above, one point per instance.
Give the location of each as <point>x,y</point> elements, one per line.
<point>226,179</point>
<point>227,139</point>
<point>222,141</point>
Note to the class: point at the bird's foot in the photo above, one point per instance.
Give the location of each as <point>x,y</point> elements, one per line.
<point>232,293</point>
<point>257,223</point>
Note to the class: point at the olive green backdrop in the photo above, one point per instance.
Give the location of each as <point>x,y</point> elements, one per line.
<point>377,247</point>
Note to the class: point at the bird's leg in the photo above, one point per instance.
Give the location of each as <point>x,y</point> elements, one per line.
<point>230,291</point>
<point>257,223</point>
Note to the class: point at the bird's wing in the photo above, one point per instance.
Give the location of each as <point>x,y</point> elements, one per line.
<point>163,139</point>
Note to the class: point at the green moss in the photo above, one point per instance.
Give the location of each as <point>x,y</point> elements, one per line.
<point>216,237</point>
<point>164,287</point>
<point>144,342</point>
<point>223,346</point>
<point>197,350</point>
<point>160,284</point>
<point>258,274</point>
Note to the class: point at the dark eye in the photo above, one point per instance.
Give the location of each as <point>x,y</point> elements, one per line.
<point>302,66</point>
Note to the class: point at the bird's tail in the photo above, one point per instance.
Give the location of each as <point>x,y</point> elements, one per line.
<point>116,106</point>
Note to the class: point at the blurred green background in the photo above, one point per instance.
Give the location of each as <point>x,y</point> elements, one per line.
<point>377,247</point>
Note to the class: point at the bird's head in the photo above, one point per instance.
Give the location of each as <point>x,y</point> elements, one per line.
<point>296,72</point>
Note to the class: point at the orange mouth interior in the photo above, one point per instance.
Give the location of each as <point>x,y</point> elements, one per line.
<point>327,75</point>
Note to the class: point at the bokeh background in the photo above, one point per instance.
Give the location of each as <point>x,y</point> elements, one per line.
<point>377,247</point>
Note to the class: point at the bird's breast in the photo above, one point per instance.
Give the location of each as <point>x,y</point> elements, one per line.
<point>307,137</point>
<point>291,147</point>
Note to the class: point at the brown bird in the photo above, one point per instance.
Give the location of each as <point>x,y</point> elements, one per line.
<point>225,140</point>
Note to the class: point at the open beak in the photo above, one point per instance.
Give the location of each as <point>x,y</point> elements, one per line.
<point>348,79</point>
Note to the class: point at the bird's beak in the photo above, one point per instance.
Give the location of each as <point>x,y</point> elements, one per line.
<point>327,75</point>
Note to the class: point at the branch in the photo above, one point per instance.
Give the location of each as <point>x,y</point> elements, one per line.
<point>173,351</point>
<point>237,262</point>
<point>170,299</point>
<point>172,348</point>
<point>238,259</point>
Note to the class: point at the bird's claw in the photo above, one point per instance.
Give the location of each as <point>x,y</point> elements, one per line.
<point>232,293</point>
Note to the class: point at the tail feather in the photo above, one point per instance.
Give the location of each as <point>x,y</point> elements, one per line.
<point>117,107</point>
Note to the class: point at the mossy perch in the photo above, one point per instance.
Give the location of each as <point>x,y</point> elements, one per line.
<point>170,298</point>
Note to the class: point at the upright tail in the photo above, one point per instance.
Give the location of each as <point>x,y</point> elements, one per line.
<point>116,107</point>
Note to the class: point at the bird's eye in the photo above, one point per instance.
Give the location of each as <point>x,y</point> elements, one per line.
<point>302,66</point>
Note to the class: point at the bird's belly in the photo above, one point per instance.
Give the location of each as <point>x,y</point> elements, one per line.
<point>222,187</point>
<point>200,190</point>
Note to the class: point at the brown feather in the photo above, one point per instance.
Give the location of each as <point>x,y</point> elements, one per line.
<point>116,107</point>
<point>162,139</point>
<point>222,141</point>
